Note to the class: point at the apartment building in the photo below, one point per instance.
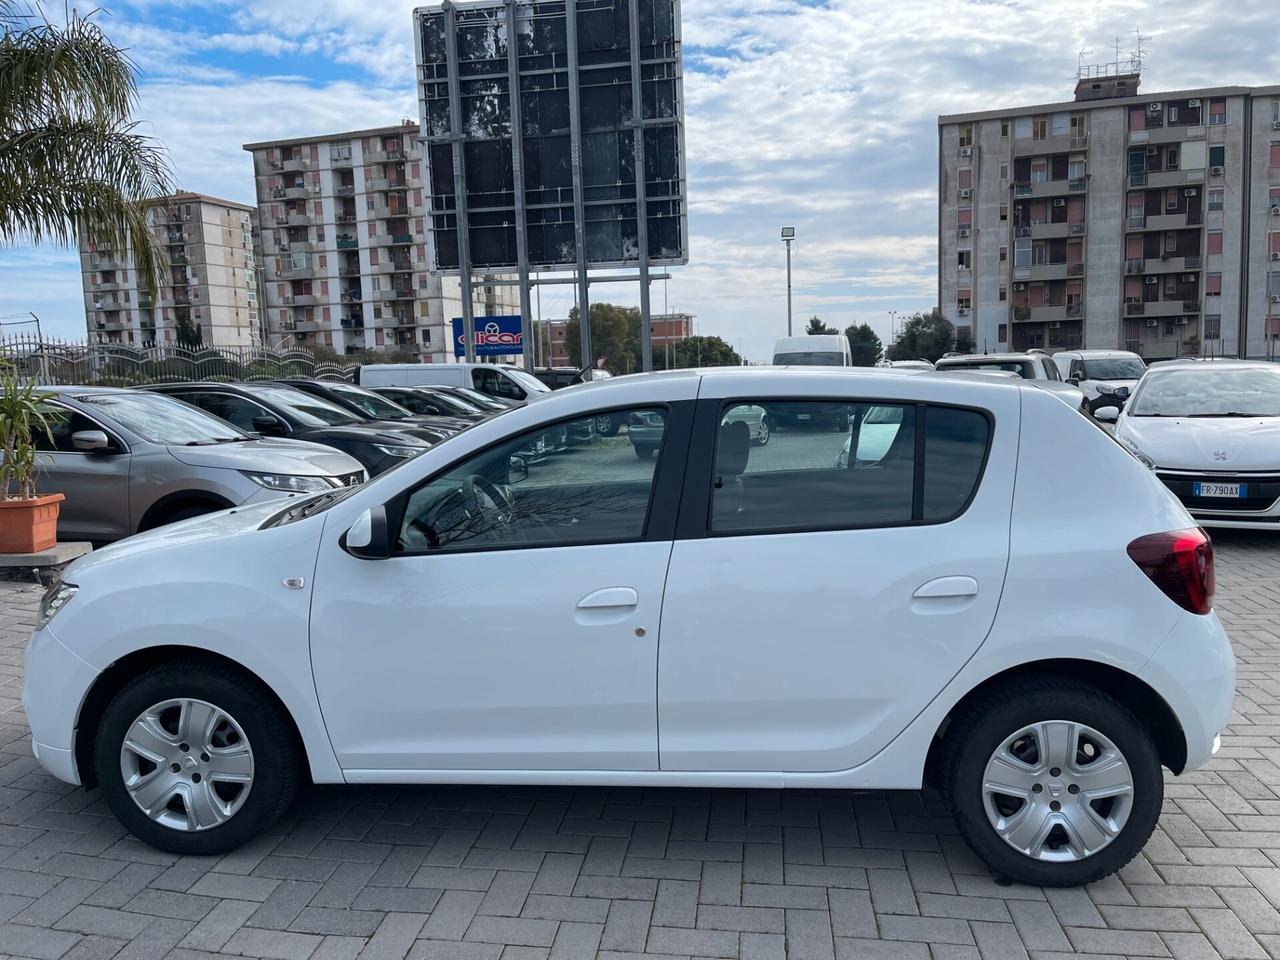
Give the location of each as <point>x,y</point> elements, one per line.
<point>1116,220</point>
<point>344,246</point>
<point>668,330</point>
<point>208,294</point>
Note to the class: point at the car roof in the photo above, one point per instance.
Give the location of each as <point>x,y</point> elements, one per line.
<point>974,357</point>
<point>1097,354</point>
<point>61,388</point>
<point>1209,363</point>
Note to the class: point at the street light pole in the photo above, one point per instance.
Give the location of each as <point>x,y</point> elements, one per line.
<point>788,236</point>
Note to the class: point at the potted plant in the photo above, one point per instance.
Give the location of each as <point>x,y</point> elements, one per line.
<point>28,523</point>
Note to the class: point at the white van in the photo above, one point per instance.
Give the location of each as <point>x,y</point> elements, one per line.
<point>493,379</point>
<point>822,350</point>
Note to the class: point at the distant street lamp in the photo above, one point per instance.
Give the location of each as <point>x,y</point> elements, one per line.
<point>788,236</point>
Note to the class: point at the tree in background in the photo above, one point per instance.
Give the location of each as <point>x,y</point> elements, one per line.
<point>615,335</point>
<point>72,162</point>
<point>863,344</point>
<point>817,328</point>
<point>697,352</point>
<point>924,336</point>
<point>964,340</point>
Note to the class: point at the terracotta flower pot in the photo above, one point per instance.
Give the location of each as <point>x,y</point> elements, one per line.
<point>29,526</point>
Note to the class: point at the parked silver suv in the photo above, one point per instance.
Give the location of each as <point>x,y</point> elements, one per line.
<point>128,461</point>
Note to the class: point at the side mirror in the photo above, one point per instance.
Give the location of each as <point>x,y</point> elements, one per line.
<point>368,538</point>
<point>268,426</point>
<point>1122,392</point>
<point>90,441</point>
<point>517,470</point>
<point>1107,414</point>
<point>1074,381</point>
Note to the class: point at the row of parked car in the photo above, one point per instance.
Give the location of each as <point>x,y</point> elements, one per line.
<point>129,460</point>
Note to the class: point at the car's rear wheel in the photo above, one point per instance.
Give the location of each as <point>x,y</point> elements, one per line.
<point>644,453</point>
<point>608,425</point>
<point>195,757</point>
<point>762,438</point>
<point>1052,782</point>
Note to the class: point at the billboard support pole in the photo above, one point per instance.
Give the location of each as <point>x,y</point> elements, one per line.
<point>456,138</point>
<point>575,160</point>
<point>642,211</point>
<point>517,182</point>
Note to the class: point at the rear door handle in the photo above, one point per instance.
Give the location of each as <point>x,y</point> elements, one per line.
<point>609,597</point>
<point>947,587</point>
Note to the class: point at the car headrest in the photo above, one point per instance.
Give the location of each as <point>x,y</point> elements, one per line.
<point>735,448</point>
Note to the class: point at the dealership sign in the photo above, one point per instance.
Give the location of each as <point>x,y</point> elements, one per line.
<point>495,337</point>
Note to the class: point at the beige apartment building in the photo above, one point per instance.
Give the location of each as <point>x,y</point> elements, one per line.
<point>208,293</point>
<point>1115,221</point>
<point>345,247</point>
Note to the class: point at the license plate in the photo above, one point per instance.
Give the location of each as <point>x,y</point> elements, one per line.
<point>802,416</point>
<point>1229,490</point>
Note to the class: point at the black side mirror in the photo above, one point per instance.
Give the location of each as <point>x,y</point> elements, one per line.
<point>517,470</point>
<point>368,538</point>
<point>1122,392</point>
<point>268,426</point>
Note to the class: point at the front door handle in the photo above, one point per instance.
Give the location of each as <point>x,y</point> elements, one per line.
<point>610,597</point>
<point>947,588</point>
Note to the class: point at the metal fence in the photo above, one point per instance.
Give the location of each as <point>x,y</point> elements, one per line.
<point>50,361</point>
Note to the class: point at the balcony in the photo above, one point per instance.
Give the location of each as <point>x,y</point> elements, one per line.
<point>344,190</point>
<point>395,155</point>
<point>1049,271</point>
<point>347,243</point>
<point>376,184</point>
<point>352,323</point>
<point>299,219</point>
<point>1166,178</point>
<point>294,165</point>
<point>110,285</point>
<point>301,246</point>
<point>305,326</point>
<point>1046,231</point>
<point>1075,269</point>
<point>383,266</point>
<point>341,158</point>
<point>1162,265</point>
<point>1063,143</point>
<point>352,296</point>
<point>1162,308</point>
<point>399,239</point>
<point>1049,188</point>
<point>349,269</point>
<point>303,299</point>
<point>1175,134</point>
<point>1166,221</point>
<point>294,271</point>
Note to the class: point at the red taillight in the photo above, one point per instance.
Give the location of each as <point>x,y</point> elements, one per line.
<point>1181,564</point>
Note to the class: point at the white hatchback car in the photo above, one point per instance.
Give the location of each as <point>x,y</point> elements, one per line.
<point>1211,432</point>
<point>718,615</point>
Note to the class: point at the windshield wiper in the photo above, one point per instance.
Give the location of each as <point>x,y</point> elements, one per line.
<point>1229,413</point>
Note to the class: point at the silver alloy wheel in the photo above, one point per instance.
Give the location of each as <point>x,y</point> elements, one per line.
<point>764,431</point>
<point>187,764</point>
<point>1057,791</point>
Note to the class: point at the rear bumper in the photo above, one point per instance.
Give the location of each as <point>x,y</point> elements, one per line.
<point>54,685</point>
<point>1194,670</point>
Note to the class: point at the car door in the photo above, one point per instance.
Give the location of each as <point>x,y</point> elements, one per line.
<point>516,624</point>
<point>95,483</point>
<point>816,602</point>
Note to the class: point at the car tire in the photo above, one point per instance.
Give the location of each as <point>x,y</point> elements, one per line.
<point>607,425</point>
<point>644,453</point>
<point>206,805</point>
<point>1083,838</point>
<point>762,439</point>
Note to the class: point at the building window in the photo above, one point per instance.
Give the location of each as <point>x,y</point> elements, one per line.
<point>1215,242</point>
<point>964,300</point>
<point>1215,198</point>
<point>1171,199</point>
<point>1218,155</point>
<point>1022,253</point>
<point>1004,129</point>
<point>1039,171</point>
<point>964,259</point>
<point>1213,285</point>
<point>1002,333</point>
<point>966,178</point>
<point>1217,112</point>
<point>1171,159</point>
<point>1004,171</point>
<point>966,135</point>
<point>1004,254</point>
<point>1004,212</point>
<point>1040,128</point>
<point>1004,295</point>
<point>1075,168</point>
<point>1213,327</point>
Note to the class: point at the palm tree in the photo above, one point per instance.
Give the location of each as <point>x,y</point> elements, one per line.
<point>72,162</point>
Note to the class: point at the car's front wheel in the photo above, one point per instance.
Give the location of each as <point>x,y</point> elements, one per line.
<point>1052,782</point>
<point>195,757</point>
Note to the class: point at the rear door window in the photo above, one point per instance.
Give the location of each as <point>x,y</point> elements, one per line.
<point>833,466</point>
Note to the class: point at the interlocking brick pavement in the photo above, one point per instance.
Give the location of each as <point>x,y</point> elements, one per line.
<point>510,873</point>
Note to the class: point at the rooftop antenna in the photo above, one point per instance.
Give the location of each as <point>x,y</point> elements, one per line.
<point>1136,55</point>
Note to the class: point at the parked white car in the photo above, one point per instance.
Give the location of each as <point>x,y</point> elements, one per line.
<point>1211,432</point>
<point>1105,377</point>
<point>1034,365</point>
<point>473,618</point>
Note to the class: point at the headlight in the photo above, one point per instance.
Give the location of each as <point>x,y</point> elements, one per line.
<point>54,599</point>
<point>1137,454</point>
<point>289,484</point>
<point>394,450</point>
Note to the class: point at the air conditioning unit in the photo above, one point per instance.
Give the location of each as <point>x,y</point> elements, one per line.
<point>1215,171</point>
<point>966,152</point>
<point>1154,107</point>
<point>1275,298</point>
<point>1019,287</point>
<point>1055,325</point>
<point>1181,321</point>
<point>1060,202</point>
<point>1151,281</point>
<point>966,194</point>
<point>1275,211</point>
<point>962,312</point>
<point>1153,151</point>
<point>1275,256</point>
<point>1189,277</point>
<point>1153,323</point>
<point>1275,124</point>
<point>962,232</point>
<point>1190,192</point>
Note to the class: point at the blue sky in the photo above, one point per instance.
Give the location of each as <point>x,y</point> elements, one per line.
<point>817,115</point>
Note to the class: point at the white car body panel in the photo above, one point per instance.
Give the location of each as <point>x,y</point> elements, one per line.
<point>216,583</point>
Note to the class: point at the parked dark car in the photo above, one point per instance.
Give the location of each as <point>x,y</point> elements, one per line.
<point>273,410</point>
<point>475,397</point>
<point>369,406</point>
<point>429,401</point>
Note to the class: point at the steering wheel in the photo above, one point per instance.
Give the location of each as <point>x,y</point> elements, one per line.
<point>480,498</point>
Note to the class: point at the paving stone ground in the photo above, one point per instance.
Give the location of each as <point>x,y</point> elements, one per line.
<point>505,873</point>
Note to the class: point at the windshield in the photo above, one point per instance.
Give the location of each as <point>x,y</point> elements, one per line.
<point>1242,392</point>
<point>481,400</point>
<point>310,411</point>
<point>377,407</point>
<point>808,358</point>
<point>452,404</point>
<point>162,419</point>
<point>1114,368</point>
<point>527,380</point>
<point>1021,367</point>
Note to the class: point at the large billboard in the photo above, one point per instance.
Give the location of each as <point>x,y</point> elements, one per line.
<point>573,112</point>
